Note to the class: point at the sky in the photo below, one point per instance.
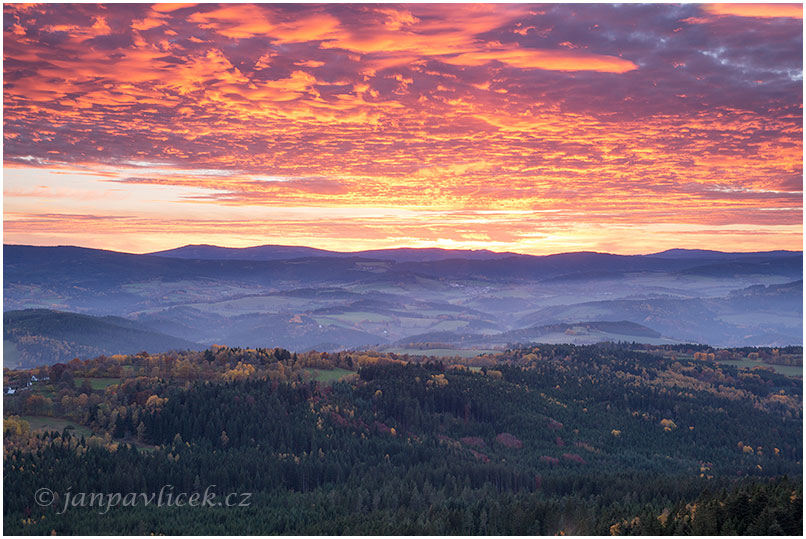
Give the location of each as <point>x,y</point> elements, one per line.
<point>523,127</point>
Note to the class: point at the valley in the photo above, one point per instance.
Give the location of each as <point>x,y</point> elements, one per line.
<point>461,299</point>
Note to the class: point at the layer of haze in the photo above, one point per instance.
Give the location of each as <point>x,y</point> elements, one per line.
<point>529,128</point>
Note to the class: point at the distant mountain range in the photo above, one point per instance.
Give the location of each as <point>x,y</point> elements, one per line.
<point>48,265</point>
<point>406,254</point>
<point>270,296</point>
<point>287,252</point>
<point>705,254</point>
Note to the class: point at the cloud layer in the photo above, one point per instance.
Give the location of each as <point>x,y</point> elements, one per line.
<point>567,124</point>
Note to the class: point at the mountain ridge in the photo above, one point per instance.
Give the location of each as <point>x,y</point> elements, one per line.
<point>276,252</point>
<point>349,301</point>
<point>269,252</point>
<point>284,252</point>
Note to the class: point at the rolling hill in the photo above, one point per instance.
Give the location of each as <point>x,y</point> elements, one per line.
<point>343,300</point>
<point>591,332</point>
<point>38,336</point>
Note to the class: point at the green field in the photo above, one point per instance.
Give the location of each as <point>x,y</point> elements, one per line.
<point>43,389</point>
<point>787,370</point>
<point>325,321</point>
<point>263,304</point>
<point>428,313</point>
<point>439,352</point>
<point>98,384</point>
<point>448,325</point>
<point>45,423</point>
<point>362,316</point>
<point>58,424</point>
<point>327,376</point>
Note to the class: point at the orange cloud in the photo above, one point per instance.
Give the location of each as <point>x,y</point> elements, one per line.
<point>439,114</point>
<point>99,27</point>
<point>147,23</point>
<point>235,20</point>
<point>559,60</point>
<point>756,10</point>
<point>167,7</point>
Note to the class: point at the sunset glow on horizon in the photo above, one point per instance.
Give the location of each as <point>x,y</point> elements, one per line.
<point>528,128</point>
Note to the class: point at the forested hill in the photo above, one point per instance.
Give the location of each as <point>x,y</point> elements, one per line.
<point>35,336</point>
<point>539,440</point>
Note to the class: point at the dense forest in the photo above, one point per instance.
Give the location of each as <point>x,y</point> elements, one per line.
<point>606,439</point>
